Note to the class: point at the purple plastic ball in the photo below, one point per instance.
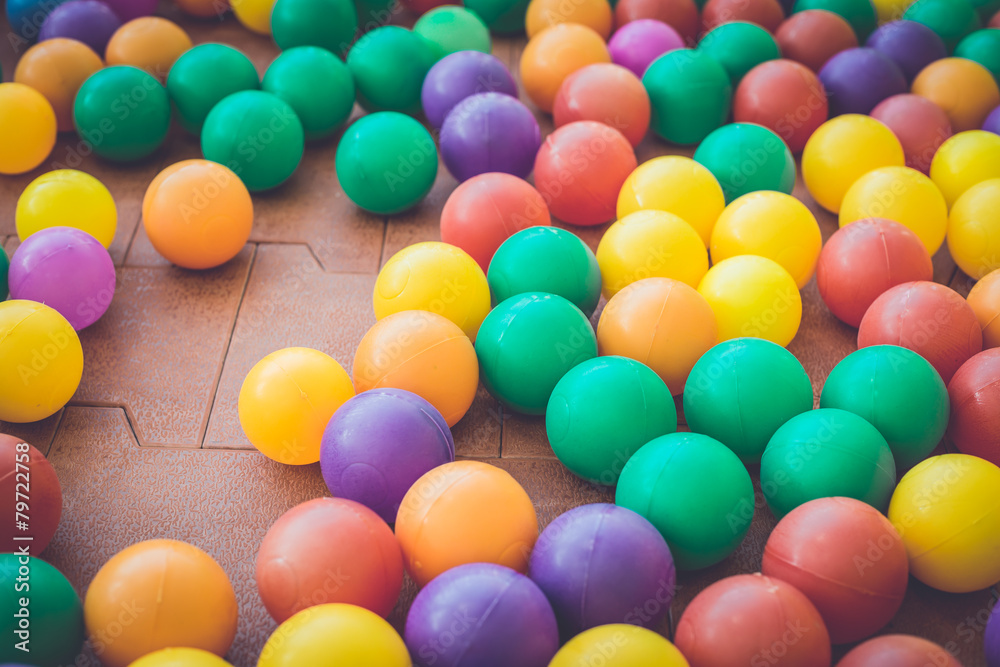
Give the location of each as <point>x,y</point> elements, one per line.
<point>490,132</point>
<point>911,45</point>
<point>992,122</point>
<point>481,615</point>
<point>461,75</point>
<point>637,44</point>
<point>856,80</point>
<point>89,21</point>
<point>67,269</point>
<point>600,564</point>
<point>379,443</point>
<point>132,9</point>
<point>992,638</point>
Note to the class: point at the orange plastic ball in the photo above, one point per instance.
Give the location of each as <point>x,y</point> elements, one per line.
<point>465,512</point>
<point>681,15</point>
<point>814,36</point>
<point>554,54</point>
<point>149,43</point>
<point>662,323</point>
<point>963,88</point>
<point>768,14</point>
<point>198,214</point>
<point>57,68</point>
<point>595,14</point>
<point>607,94</point>
<point>985,301</point>
<point>204,9</point>
<point>423,353</point>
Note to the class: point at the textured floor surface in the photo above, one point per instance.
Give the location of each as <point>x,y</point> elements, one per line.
<point>151,446</point>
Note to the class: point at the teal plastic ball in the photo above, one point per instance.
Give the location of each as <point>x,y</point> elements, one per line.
<point>739,46</point>
<point>689,93</point>
<point>745,158</point>
<point>205,75</point>
<point>450,29</point>
<point>983,47</point>
<point>952,20</point>
<point>4,272</point>
<point>504,17</point>
<point>328,24</point>
<point>389,65</point>
<point>316,84</point>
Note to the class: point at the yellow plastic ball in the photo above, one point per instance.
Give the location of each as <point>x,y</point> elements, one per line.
<point>67,198</point>
<point>618,645</point>
<point>963,160</point>
<point>677,185</point>
<point>974,229</point>
<point>901,194</point>
<point>772,225</point>
<point>890,10</point>
<point>287,400</point>
<point>27,128</point>
<point>335,635</point>
<point>842,150</point>
<point>180,657</point>
<point>41,361</point>
<point>254,14</point>
<point>946,511</point>
<point>650,244</point>
<point>754,297</point>
<point>437,277</point>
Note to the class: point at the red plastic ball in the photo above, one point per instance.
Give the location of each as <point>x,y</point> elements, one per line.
<point>768,14</point>
<point>605,93</point>
<point>785,97</point>
<point>847,558</point>
<point>29,473</point>
<point>814,36</point>
<point>863,260</point>
<point>898,651</point>
<point>920,125</point>
<point>580,169</point>
<point>750,619</point>
<point>932,320</point>
<point>974,392</point>
<point>681,15</point>
<point>995,21</point>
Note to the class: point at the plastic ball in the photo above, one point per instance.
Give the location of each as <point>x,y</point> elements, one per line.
<point>690,95</point>
<point>180,657</point>
<point>160,577</point>
<point>920,125</point>
<point>555,53</point>
<point>580,169</point>
<point>984,299</point>
<point>25,17</point>
<point>741,391</point>
<point>952,20</point>
<point>681,15</point>
<point>465,512</point>
<point>900,650</point>
<point>745,158</point>
<point>97,113</point>
<point>421,7</point>
<point>546,259</point>
<point>504,17</point>
<point>328,550</point>
<point>204,76</point>
<point>911,45</point>
<point>489,132</point>
<point>765,14</point>
<point>965,90</point>
<point>739,46</point>
<point>386,162</point>
<point>204,9</point>
<point>577,562</point>
<point>507,620</point>
<point>842,150</point>
<point>992,639</point>
<point>57,68</point>
<point>4,267</point>
<point>753,296</point>
<point>316,84</point>
<point>461,75</point>
<point>451,29</point>
<point>27,128</point>
<point>860,14</point>
<point>486,210</point>
<point>389,65</point>
<point>67,197</point>
<point>636,45</point>
<point>650,244</point>
<point>974,229</point>
<point>255,15</point>
<point>965,159</point>
<point>607,94</point>
<point>633,647</point>
<point>128,10</point>
<point>328,24</point>
<point>88,21</point>
<point>785,97</point>
<point>595,14</point>
<point>436,277</point>
<point>992,122</point>
<point>678,185</point>
<point>335,634</point>
<point>286,401</point>
<point>46,495</point>
<point>702,523</point>
<point>602,411</point>
<point>856,80</point>
<point>40,348</point>
<point>35,590</point>
<point>932,320</point>
<point>813,36</point>
<point>197,214</point>
<point>983,47</point>
<point>974,392</point>
<point>150,43</point>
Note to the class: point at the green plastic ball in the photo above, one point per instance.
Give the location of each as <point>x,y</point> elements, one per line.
<point>689,93</point>
<point>386,162</point>
<point>375,13</point>
<point>527,344</point>
<point>860,14</point>
<point>986,9</point>
<point>602,411</point>
<point>898,392</point>
<point>316,84</point>
<point>504,17</point>
<point>122,113</point>
<point>450,29</point>
<point>695,491</point>
<point>745,157</point>
<point>54,615</point>
<point>825,453</point>
<point>389,65</point>
<point>328,24</point>
<point>202,77</point>
<point>546,259</point>
<point>4,273</point>
<point>952,20</point>
<point>982,46</point>
<point>257,135</point>
<point>741,391</point>
<point>739,47</point>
